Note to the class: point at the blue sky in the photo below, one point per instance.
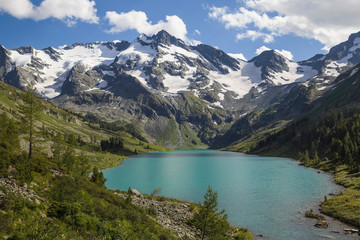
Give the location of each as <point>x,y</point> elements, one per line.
<point>297,28</point>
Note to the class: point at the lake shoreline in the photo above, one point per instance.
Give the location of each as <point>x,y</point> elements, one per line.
<point>347,223</point>
<point>335,224</point>
<point>338,221</point>
<point>148,172</point>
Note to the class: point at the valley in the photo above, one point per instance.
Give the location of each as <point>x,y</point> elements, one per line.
<point>105,101</point>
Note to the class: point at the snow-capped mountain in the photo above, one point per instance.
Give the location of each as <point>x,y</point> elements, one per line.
<point>161,63</point>
<point>339,59</point>
<point>48,68</point>
<point>167,85</point>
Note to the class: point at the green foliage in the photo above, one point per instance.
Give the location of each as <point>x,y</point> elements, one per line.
<point>345,207</point>
<point>9,141</point>
<point>128,198</point>
<point>31,110</point>
<point>112,145</point>
<point>94,212</point>
<point>331,142</point>
<point>242,234</point>
<point>211,222</point>
<point>76,206</point>
<point>97,177</point>
<point>334,139</point>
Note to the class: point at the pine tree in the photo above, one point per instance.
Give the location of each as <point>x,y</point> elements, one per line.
<point>316,158</point>
<point>128,198</point>
<point>211,222</point>
<point>306,157</point>
<point>98,177</point>
<point>31,109</point>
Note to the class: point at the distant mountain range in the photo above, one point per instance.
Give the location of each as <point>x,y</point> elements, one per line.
<point>180,95</point>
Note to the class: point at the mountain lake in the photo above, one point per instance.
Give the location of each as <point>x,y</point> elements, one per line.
<point>267,195</point>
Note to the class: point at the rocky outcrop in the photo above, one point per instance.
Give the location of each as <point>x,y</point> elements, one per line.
<point>12,187</point>
<point>321,224</point>
<point>171,215</point>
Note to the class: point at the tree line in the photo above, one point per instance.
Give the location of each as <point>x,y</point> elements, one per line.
<point>334,138</point>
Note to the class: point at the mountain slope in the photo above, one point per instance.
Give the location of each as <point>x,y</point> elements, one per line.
<point>326,136</point>
<point>146,81</point>
<point>83,134</point>
<point>51,194</point>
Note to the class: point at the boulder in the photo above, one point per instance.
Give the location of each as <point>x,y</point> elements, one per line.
<point>321,224</point>
<point>136,192</point>
<point>350,230</point>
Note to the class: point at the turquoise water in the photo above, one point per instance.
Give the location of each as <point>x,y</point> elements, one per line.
<point>260,193</point>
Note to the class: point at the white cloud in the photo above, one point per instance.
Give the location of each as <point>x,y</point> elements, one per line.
<point>137,20</point>
<point>253,35</point>
<point>67,11</point>
<point>197,32</point>
<point>329,22</point>
<point>262,49</point>
<point>283,52</point>
<point>286,54</point>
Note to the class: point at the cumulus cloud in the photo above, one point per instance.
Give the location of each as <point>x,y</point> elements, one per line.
<point>329,22</point>
<point>67,11</point>
<point>138,20</point>
<point>262,49</point>
<point>253,35</point>
<point>283,52</point>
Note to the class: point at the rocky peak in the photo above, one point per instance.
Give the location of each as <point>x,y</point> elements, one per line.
<point>218,58</point>
<point>79,80</point>
<point>161,38</point>
<point>117,45</point>
<point>53,53</point>
<point>270,61</point>
<point>25,50</point>
<point>5,62</point>
<point>349,50</point>
<point>165,38</point>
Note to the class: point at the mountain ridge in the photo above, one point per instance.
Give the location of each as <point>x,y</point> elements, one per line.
<point>146,80</point>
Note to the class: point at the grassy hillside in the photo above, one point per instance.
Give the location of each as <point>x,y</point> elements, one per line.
<point>83,134</point>
<point>49,195</point>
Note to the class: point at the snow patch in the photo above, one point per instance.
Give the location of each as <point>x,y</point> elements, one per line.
<point>143,55</point>
<point>354,71</point>
<point>221,96</point>
<point>20,59</point>
<point>239,82</point>
<point>217,104</point>
<point>252,72</point>
<point>307,72</point>
<point>296,73</point>
<point>139,75</point>
<point>144,38</point>
<point>175,83</point>
<point>356,45</point>
<point>100,86</point>
<point>237,56</point>
<point>109,73</point>
<point>178,50</point>
<point>179,83</point>
<point>54,73</point>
